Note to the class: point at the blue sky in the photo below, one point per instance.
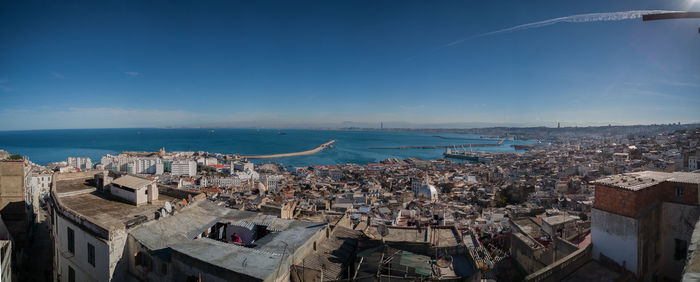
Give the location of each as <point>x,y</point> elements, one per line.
<point>103,64</point>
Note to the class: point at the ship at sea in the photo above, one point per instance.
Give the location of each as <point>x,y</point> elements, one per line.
<point>463,154</point>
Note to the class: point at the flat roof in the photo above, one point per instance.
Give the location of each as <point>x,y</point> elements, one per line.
<point>80,197</point>
<point>639,180</point>
<point>261,261</point>
<point>559,219</point>
<point>132,182</point>
<point>401,234</point>
<point>529,227</point>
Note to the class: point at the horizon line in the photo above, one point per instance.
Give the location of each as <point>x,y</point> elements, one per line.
<point>355,127</point>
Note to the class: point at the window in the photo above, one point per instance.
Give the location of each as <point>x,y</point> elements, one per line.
<point>71,274</point>
<point>71,240</point>
<point>679,191</point>
<point>138,260</point>
<point>91,254</point>
<point>681,248</point>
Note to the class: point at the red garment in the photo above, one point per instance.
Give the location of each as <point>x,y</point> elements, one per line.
<point>236,239</point>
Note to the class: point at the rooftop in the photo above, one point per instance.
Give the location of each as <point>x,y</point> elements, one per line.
<point>79,196</point>
<point>132,182</point>
<point>639,180</point>
<point>261,261</point>
<point>559,219</point>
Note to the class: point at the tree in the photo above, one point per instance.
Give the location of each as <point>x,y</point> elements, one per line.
<point>16,157</point>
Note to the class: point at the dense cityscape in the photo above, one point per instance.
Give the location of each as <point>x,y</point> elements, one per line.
<point>574,206</point>
<point>349,141</point>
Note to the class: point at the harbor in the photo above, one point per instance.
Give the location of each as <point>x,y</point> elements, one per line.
<point>438,146</point>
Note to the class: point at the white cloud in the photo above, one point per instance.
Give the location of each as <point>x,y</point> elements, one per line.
<point>581,18</point>
<point>132,73</point>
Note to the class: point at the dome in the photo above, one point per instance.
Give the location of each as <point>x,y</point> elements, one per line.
<point>428,192</point>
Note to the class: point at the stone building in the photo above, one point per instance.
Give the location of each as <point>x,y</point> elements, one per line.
<point>643,221</point>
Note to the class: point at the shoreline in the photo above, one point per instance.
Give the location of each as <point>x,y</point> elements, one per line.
<point>285,155</point>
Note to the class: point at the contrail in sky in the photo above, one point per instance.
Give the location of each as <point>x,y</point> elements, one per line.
<point>583,18</point>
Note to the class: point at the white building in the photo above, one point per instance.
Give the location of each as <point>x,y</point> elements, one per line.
<point>178,237</point>
<point>5,253</point>
<point>39,185</point>
<point>621,158</point>
<point>80,163</point>
<point>135,190</point>
<point>225,181</point>
<point>116,163</point>
<point>184,167</point>
<point>146,165</point>
<point>241,166</point>
<point>247,174</point>
<point>272,182</point>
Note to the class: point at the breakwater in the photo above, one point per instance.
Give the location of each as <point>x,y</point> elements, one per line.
<point>285,155</point>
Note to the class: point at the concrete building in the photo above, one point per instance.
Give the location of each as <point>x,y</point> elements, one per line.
<point>559,225</point>
<point>621,158</point>
<point>100,235</point>
<point>146,166</point>
<point>272,182</point>
<point>184,167</point>
<point>12,180</point>
<point>80,163</point>
<point>38,188</point>
<point>89,226</point>
<point>5,253</point>
<point>224,181</point>
<point>693,163</point>
<point>14,176</point>
<point>241,166</point>
<point>644,221</point>
<point>198,241</point>
<point>134,190</point>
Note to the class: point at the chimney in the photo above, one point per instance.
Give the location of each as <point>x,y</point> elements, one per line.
<point>152,193</point>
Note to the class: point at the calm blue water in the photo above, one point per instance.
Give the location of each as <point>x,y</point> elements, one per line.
<point>45,146</point>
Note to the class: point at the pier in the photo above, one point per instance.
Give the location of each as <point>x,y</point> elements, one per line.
<point>285,155</point>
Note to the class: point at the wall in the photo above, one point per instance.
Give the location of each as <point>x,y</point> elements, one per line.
<point>78,260</point>
<point>11,182</point>
<point>127,195</point>
<point>527,252</point>
<point>677,223</point>
<point>563,267</point>
<point>615,236</point>
<point>630,203</point>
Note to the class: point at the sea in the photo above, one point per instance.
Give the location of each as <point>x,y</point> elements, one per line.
<point>351,146</point>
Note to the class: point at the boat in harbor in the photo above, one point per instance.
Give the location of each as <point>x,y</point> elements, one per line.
<point>463,154</point>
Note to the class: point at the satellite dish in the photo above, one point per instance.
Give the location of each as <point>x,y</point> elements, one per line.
<point>168,207</point>
<point>163,213</point>
<point>383,230</point>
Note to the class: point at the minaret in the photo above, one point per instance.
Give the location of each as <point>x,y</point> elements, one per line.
<point>381,125</point>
